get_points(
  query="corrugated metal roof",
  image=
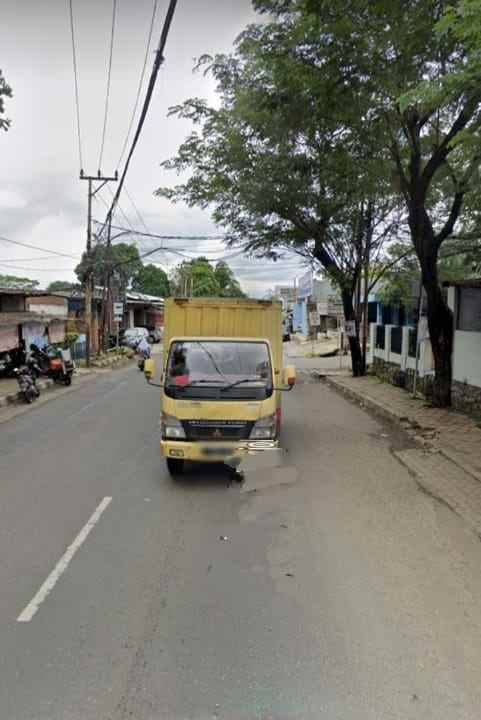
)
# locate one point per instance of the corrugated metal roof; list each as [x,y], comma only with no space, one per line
[143,297]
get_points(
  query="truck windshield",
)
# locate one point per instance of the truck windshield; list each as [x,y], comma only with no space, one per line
[203,369]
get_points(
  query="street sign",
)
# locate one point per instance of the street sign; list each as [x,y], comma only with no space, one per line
[118,311]
[314,318]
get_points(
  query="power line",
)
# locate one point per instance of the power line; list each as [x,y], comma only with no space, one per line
[159,58]
[107,96]
[36,247]
[27,269]
[136,209]
[21,259]
[77,104]
[141,82]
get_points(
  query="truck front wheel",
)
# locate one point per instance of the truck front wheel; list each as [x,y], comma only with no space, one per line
[175,466]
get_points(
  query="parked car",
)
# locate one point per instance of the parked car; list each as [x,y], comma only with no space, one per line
[133,336]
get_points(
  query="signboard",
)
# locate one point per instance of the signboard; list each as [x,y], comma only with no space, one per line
[118,311]
[304,289]
[350,328]
[314,318]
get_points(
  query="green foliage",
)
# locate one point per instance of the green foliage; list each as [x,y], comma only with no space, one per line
[397,281]
[62,286]
[23,283]
[71,338]
[121,260]
[5,92]
[151,280]
[228,285]
[280,165]
[199,278]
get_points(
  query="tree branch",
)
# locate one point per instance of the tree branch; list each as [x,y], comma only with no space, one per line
[443,150]
[448,228]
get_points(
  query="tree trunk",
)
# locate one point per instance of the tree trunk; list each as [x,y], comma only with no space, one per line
[440,323]
[358,368]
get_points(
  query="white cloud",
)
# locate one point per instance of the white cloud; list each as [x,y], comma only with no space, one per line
[11,200]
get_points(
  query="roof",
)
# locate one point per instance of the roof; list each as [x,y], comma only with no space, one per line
[18,318]
[136,297]
[20,291]
[473,283]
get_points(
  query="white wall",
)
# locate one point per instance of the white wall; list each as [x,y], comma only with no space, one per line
[60,311]
[467,357]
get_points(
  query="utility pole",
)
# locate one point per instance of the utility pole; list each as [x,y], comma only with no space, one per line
[89,275]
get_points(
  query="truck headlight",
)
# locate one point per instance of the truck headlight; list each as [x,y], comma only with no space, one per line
[265,428]
[171,427]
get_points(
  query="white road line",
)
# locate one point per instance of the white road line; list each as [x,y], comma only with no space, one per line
[27,614]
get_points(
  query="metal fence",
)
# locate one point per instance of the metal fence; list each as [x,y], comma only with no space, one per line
[396,339]
[79,350]
[380,337]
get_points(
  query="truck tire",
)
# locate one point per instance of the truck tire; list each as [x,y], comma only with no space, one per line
[175,466]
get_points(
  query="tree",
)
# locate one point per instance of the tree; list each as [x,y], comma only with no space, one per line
[281,166]
[151,280]
[121,261]
[418,64]
[199,278]
[61,286]
[5,92]
[22,283]
[196,278]
[228,285]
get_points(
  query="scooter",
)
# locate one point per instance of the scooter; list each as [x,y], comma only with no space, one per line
[26,382]
[54,363]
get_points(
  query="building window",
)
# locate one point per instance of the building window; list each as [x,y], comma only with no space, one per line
[469,309]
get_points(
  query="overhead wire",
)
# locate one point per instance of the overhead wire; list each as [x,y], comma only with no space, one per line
[36,247]
[136,209]
[109,73]
[159,58]
[141,82]
[75,73]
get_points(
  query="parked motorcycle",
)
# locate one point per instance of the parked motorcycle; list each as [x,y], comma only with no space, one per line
[27,384]
[54,363]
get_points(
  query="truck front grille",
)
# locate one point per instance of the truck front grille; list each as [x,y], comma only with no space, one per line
[217,430]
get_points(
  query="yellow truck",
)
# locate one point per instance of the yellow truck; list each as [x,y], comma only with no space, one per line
[222,378]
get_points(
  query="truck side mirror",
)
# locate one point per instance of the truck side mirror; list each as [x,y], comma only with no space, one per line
[290,376]
[149,369]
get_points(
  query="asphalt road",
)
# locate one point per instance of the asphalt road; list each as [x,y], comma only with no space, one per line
[347,594]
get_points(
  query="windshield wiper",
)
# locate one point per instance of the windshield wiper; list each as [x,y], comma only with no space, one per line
[239,382]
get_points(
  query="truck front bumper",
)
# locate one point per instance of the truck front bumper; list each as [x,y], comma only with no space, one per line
[213,452]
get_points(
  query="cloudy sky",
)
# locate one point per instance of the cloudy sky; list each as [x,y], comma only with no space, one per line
[42,201]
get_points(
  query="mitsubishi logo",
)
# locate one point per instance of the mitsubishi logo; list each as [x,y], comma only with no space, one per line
[217,433]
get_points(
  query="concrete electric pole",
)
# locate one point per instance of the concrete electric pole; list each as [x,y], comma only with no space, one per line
[89,274]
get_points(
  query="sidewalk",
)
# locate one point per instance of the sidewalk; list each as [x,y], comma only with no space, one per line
[447,456]
[10,395]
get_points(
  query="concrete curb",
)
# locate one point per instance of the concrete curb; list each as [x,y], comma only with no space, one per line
[399,419]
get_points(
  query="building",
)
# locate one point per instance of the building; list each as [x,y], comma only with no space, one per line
[464,299]
[141,310]
[318,307]
[31,316]
[287,294]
